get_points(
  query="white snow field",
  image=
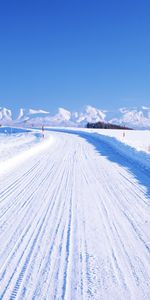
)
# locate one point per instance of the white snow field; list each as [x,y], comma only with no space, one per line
[139,139]
[16,140]
[74,220]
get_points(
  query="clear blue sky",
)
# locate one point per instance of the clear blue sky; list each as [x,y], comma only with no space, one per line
[74,52]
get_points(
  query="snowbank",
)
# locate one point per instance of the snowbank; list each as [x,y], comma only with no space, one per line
[133,146]
[131,154]
[13,142]
[138,139]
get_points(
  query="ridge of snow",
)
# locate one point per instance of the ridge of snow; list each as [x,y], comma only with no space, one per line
[5,114]
[37,111]
[21,113]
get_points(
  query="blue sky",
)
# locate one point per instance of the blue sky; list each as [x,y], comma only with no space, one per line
[71,53]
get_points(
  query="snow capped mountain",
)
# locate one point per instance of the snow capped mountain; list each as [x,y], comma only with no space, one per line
[5,114]
[21,113]
[62,115]
[25,115]
[91,114]
[134,117]
[131,117]
[39,111]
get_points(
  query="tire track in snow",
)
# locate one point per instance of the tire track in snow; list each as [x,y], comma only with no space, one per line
[48,261]
[53,237]
[76,234]
[22,273]
[25,215]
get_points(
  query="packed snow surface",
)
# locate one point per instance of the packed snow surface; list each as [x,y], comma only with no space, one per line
[74,219]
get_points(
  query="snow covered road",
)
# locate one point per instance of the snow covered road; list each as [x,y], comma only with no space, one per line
[74,224]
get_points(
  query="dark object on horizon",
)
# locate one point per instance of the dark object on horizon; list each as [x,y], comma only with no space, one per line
[104,125]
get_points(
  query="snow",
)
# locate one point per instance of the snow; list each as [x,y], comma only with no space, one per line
[17,144]
[22,153]
[62,115]
[138,139]
[21,113]
[5,114]
[74,216]
[91,114]
[14,141]
[130,148]
[37,111]
[145,107]
[136,117]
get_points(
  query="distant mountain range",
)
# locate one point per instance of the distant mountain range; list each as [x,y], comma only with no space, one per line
[138,118]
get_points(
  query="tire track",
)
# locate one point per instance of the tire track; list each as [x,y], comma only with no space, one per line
[73,226]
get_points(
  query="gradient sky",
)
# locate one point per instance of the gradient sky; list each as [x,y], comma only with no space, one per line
[71,53]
